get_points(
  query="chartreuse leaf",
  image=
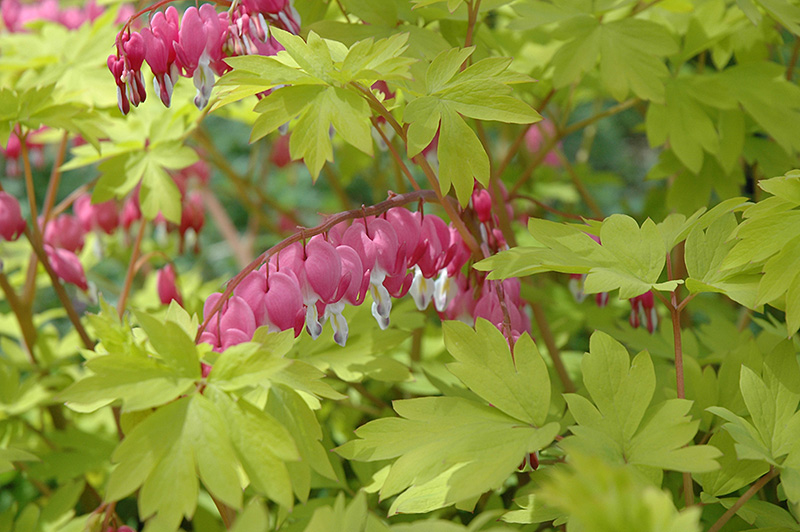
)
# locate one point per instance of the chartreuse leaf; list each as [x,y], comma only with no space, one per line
[262,446]
[520,387]
[734,473]
[786,187]
[254,518]
[768,98]
[291,411]
[630,53]
[684,121]
[341,518]
[138,380]
[767,240]
[772,433]
[141,149]
[452,449]
[621,424]
[481,92]
[640,258]
[317,76]
[11,454]
[630,258]
[172,343]
[601,497]
[705,253]
[251,363]
[129,373]
[164,455]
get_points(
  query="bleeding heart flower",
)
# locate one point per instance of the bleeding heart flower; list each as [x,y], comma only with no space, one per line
[67,266]
[12,224]
[65,232]
[375,242]
[103,216]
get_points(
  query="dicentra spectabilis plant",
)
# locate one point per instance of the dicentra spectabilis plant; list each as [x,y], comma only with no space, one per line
[400,266]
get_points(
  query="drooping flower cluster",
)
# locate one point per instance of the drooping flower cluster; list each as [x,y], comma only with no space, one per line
[195,46]
[397,253]
[64,235]
[16,14]
[12,152]
[535,140]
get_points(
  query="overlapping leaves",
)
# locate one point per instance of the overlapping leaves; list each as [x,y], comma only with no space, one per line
[319,75]
[771,434]
[183,429]
[481,92]
[631,257]
[620,423]
[768,240]
[451,449]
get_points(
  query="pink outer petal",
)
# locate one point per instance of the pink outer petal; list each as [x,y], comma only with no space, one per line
[283,301]
[192,41]
[358,281]
[323,268]
[67,266]
[238,316]
[253,289]
[167,286]
[65,232]
[12,224]
[482,204]
[408,228]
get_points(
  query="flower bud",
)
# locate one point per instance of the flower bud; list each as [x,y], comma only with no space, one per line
[65,232]
[482,203]
[12,224]
[67,266]
[167,287]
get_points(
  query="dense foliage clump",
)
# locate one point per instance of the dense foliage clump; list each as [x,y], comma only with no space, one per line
[400,266]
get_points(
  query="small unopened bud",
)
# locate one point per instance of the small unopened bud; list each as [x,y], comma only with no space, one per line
[167,286]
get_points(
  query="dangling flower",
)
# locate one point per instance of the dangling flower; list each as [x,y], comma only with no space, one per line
[352,289]
[65,232]
[200,44]
[318,270]
[67,266]
[643,311]
[167,285]
[159,41]
[375,241]
[103,216]
[12,224]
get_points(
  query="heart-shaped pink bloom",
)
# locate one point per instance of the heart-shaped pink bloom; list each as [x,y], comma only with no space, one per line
[67,266]
[237,323]
[65,232]
[12,224]
[102,216]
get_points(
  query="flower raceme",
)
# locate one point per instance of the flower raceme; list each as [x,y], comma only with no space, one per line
[385,256]
[194,46]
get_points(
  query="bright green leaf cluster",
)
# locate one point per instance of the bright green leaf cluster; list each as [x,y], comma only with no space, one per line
[620,423]
[452,449]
